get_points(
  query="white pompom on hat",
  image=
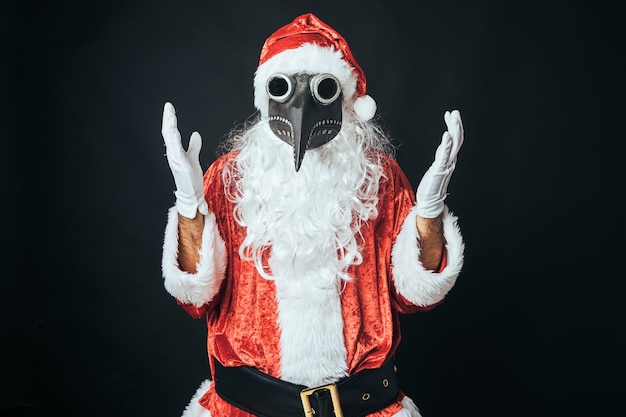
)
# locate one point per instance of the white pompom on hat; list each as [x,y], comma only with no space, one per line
[311,46]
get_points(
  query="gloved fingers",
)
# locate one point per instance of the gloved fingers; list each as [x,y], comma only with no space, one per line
[442,154]
[455,128]
[169,130]
[195,144]
[170,123]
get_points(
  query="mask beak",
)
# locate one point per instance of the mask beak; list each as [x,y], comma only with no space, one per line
[289,128]
[299,141]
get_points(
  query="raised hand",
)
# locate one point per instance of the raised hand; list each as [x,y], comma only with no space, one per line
[185,166]
[433,188]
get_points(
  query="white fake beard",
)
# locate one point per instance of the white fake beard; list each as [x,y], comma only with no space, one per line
[309,220]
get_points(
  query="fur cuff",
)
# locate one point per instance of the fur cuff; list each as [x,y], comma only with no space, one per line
[199,288]
[409,409]
[418,285]
[194,409]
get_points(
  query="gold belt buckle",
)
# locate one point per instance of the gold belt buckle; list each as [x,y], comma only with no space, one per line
[334,395]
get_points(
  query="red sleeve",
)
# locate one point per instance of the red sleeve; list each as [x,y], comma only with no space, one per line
[193,311]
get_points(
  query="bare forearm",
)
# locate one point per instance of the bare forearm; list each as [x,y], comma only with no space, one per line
[431,241]
[189,241]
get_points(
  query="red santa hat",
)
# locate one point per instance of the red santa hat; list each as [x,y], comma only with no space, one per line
[309,45]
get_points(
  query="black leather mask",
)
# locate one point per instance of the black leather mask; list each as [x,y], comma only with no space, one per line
[304,110]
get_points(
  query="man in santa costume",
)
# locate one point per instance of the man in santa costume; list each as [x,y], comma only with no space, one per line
[302,244]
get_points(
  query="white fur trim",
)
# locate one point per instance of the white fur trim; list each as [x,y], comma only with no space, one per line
[194,409]
[365,108]
[309,58]
[418,285]
[199,288]
[313,350]
[409,409]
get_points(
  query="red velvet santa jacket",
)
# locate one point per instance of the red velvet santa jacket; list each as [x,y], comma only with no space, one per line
[355,329]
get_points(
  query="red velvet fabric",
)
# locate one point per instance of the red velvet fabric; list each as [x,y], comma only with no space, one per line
[242,319]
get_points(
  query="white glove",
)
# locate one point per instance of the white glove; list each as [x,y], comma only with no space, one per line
[185,166]
[433,188]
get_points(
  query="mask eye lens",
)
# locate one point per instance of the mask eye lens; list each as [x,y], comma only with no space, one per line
[325,88]
[279,87]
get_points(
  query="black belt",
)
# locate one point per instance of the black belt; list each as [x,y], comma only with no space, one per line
[265,396]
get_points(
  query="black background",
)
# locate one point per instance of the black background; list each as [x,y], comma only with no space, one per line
[535,324]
